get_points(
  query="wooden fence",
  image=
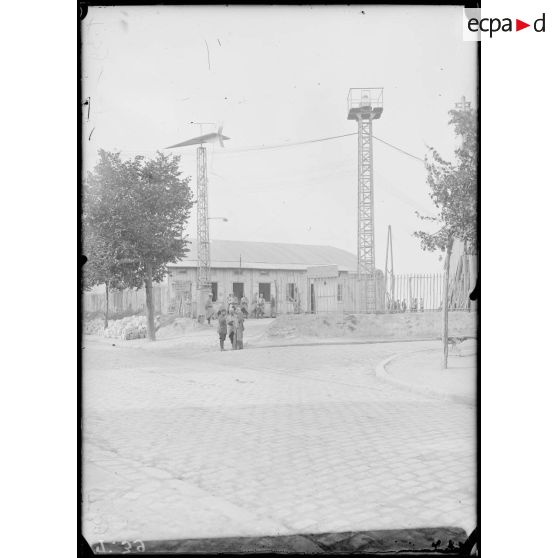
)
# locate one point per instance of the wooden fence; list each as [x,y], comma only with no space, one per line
[128,300]
[424,293]
[463,278]
[414,293]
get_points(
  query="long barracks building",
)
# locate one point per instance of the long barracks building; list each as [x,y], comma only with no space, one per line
[300,278]
[296,277]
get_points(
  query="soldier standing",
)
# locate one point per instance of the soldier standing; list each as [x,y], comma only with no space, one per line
[222,317]
[260,306]
[209,308]
[244,306]
[239,329]
[230,323]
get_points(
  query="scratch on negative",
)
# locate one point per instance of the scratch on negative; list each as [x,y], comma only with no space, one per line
[207,47]
[91,133]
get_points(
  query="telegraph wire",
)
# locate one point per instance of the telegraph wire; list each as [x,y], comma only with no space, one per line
[292,144]
[399,149]
[316,140]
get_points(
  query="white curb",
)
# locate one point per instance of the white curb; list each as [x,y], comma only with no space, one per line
[381,372]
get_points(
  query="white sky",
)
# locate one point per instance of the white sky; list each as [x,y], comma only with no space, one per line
[282,74]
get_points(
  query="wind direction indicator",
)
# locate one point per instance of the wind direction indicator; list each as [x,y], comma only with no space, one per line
[214,137]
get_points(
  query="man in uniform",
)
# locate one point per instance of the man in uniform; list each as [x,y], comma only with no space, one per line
[244,306]
[222,317]
[260,306]
[231,318]
[239,329]
[209,308]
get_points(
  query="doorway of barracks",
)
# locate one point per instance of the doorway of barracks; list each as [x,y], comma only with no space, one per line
[238,290]
[265,290]
[323,295]
[323,289]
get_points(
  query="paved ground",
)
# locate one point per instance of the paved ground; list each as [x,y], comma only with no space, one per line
[422,370]
[181,440]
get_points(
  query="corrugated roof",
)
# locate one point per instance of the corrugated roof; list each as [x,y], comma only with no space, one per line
[269,255]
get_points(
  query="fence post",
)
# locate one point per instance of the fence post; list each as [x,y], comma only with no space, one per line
[106,304]
[445,304]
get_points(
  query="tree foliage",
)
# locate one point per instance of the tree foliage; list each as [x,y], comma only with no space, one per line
[134,216]
[454,188]
[101,267]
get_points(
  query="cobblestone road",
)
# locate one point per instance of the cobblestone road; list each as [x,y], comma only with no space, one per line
[185,443]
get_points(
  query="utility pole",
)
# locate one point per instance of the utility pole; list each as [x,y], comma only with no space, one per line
[389,255]
[445,304]
[464,106]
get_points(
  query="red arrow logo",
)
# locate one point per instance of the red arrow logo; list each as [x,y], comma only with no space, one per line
[519,25]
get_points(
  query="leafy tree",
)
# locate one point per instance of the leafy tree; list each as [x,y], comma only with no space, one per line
[139,208]
[454,188]
[103,266]
[100,267]
[454,193]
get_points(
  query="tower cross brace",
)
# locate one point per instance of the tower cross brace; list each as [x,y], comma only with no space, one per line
[388,273]
[366,259]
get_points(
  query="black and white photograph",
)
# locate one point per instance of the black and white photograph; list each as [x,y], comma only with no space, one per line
[279,279]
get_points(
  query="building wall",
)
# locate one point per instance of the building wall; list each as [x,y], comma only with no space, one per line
[323,289]
[334,291]
[279,281]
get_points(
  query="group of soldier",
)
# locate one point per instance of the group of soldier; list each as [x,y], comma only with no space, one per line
[231,322]
[231,319]
[417,305]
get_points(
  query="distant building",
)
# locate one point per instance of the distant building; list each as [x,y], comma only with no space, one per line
[299,278]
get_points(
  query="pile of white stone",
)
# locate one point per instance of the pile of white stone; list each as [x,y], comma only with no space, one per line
[132,327]
[94,327]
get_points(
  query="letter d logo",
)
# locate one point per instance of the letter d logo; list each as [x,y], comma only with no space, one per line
[538,26]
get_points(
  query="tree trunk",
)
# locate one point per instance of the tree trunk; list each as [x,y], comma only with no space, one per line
[149,301]
[445,304]
[106,303]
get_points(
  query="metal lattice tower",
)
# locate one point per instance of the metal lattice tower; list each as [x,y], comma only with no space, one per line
[204,265]
[365,105]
